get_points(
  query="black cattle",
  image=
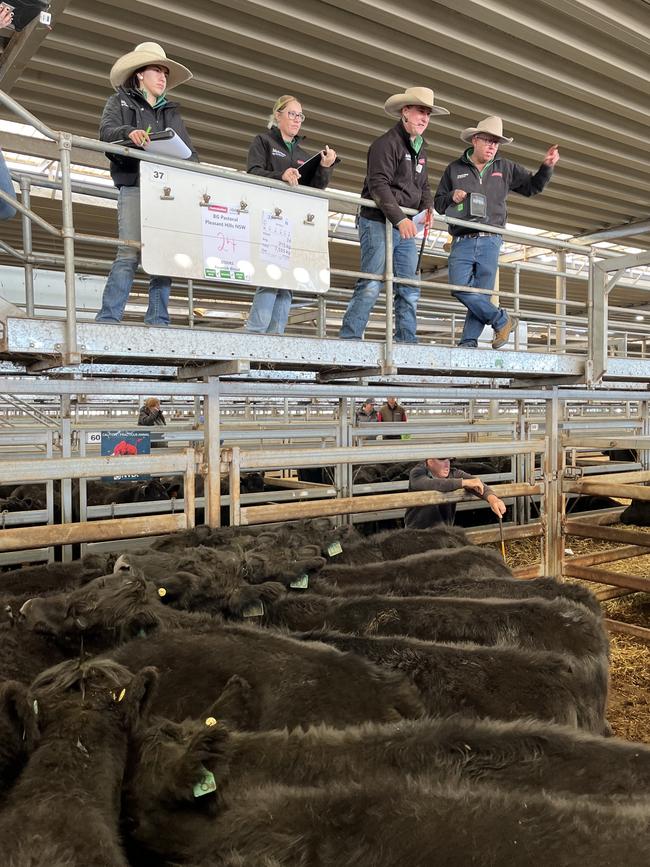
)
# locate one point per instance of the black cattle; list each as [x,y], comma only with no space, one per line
[387,822]
[64,808]
[499,682]
[470,562]
[538,624]
[105,493]
[53,576]
[17,732]
[458,587]
[24,654]
[590,504]
[394,544]
[637,513]
[296,682]
[16,504]
[523,756]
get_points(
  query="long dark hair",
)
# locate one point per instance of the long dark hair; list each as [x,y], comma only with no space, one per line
[132,82]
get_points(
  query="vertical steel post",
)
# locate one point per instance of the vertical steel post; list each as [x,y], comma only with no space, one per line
[560,295]
[70,351]
[234,478]
[553,505]
[389,287]
[190,303]
[189,489]
[516,305]
[212,452]
[27,246]
[597,322]
[66,484]
[322,316]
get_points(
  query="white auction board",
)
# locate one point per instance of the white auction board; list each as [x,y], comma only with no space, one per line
[204,228]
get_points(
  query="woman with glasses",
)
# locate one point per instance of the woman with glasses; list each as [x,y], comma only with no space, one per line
[278,154]
[142,79]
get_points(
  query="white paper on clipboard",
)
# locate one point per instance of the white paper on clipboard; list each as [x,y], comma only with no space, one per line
[170,147]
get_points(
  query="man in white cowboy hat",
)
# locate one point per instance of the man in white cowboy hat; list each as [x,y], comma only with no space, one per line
[474,188]
[396,178]
[142,79]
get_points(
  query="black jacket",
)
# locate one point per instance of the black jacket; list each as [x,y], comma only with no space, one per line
[151,416]
[269,157]
[396,177]
[496,180]
[420,479]
[127,110]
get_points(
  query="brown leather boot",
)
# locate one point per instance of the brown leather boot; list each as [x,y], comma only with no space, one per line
[502,334]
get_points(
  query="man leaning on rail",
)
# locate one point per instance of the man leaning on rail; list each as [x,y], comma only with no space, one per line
[396,178]
[435,474]
[474,188]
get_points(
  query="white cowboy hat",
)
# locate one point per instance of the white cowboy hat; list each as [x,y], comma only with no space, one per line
[148,54]
[489,126]
[412,96]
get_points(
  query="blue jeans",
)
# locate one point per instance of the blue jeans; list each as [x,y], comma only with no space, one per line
[269,311]
[120,279]
[474,262]
[6,211]
[372,238]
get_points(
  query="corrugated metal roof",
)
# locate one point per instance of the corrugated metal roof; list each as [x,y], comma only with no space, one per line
[572,73]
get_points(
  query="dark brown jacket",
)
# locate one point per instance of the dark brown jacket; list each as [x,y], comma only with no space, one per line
[269,157]
[397,413]
[396,177]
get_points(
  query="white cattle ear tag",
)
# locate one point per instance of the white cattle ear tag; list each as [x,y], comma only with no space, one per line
[301,583]
[35,707]
[256,609]
[206,783]
[334,548]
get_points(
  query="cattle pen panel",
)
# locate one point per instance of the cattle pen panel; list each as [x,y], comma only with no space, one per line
[17,539]
[635,543]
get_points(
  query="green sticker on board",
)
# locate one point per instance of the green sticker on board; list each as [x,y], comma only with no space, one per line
[206,783]
[334,548]
[301,583]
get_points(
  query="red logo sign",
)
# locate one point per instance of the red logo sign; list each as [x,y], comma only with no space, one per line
[221,209]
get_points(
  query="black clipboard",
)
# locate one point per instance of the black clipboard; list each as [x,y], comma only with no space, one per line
[309,167]
[153,136]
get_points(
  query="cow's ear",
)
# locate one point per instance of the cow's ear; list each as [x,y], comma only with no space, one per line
[173,586]
[20,711]
[140,694]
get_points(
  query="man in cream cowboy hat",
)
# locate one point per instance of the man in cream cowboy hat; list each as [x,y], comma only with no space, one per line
[396,178]
[474,188]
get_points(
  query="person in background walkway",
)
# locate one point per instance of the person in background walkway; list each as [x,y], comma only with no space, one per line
[142,79]
[278,154]
[366,413]
[392,411]
[396,178]
[151,413]
[435,475]
[6,210]
[474,188]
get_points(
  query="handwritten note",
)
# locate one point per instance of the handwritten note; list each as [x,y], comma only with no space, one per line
[276,239]
[226,243]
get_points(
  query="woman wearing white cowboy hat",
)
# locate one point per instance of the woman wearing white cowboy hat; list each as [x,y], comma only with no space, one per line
[396,178]
[474,188]
[142,79]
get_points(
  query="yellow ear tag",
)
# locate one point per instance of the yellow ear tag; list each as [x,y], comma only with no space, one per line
[121,695]
[210,721]
[162,592]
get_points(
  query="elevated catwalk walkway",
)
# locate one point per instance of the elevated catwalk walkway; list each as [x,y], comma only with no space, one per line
[197,353]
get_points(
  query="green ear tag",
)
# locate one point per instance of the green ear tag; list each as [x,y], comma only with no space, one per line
[301,583]
[256,609]
[206,783]
[334,548]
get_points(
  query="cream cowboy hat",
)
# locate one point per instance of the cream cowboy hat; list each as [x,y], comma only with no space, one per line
[412,96]
[489,126]
[148,54]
